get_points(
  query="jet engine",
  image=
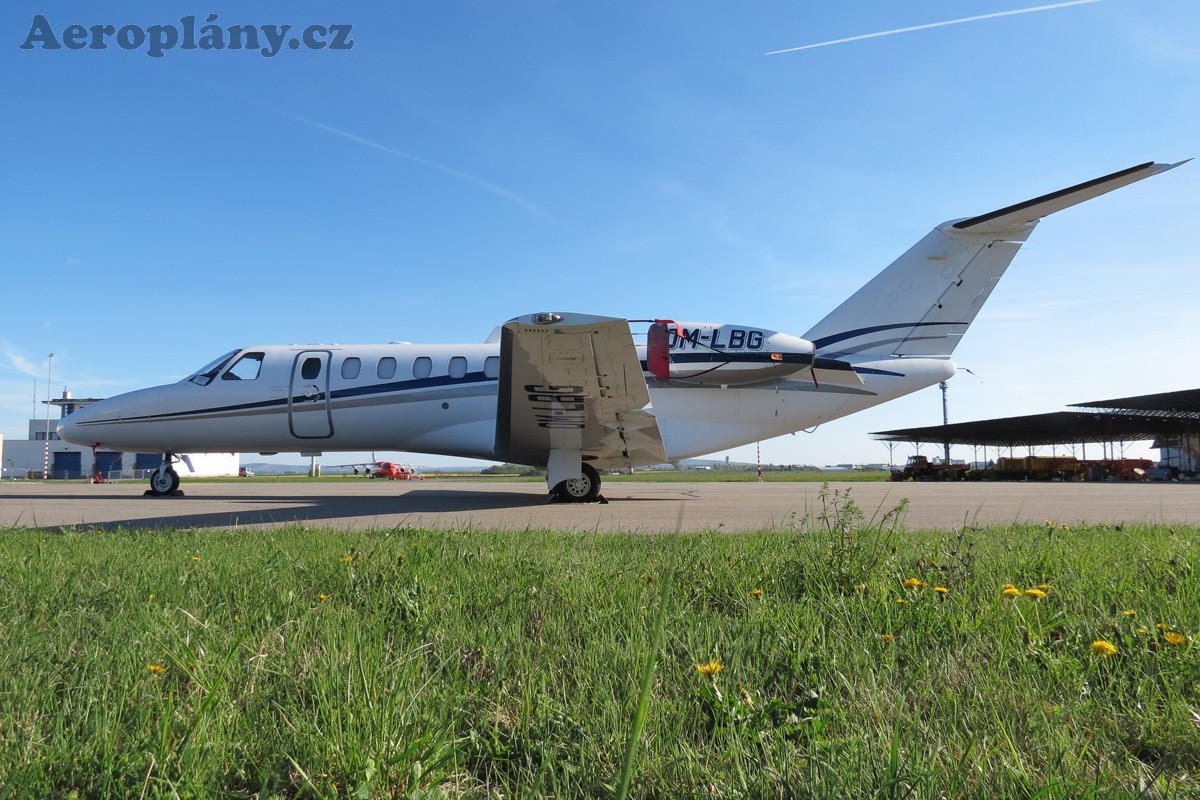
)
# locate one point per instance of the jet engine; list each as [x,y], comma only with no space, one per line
[715,354]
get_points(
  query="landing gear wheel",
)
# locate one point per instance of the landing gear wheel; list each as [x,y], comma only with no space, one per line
[584,489]
[164,482]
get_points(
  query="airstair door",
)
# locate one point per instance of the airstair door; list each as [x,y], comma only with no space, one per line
[309,414]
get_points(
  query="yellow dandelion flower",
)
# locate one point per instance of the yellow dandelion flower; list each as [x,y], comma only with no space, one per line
[710,669]
[1170,637]
[322,596]
[157,669]
[1129,612]
[1103,649]
[195,558]
[858,587]
[151,597]
[913,583]
[887,637]
[1141,631]
[901,600]
[756,593]
[1011,591]
[1049,524]
[1008,586]
[1162,626]
[1036,594]
[348,559]
[1066,527]
[941,590]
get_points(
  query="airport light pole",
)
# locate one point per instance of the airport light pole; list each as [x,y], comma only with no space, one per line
[945,422]
[46,455]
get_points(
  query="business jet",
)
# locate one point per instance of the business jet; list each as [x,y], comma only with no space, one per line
[574,393]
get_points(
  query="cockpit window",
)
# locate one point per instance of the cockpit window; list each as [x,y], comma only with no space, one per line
[245,368]
[205,374]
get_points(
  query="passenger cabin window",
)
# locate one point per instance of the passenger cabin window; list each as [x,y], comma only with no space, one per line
[386,368]
[311,369]
[350,368]
[245,368]
[204,376]
[458,367]
[491,367]
[422,367]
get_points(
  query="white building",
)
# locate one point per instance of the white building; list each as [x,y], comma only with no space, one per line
[44,451]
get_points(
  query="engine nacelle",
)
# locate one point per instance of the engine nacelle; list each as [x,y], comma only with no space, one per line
[713,354]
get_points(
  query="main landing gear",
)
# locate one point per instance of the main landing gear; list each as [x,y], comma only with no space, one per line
[164,481]
[584,489]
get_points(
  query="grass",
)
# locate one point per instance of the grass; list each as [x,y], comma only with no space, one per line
[407,663]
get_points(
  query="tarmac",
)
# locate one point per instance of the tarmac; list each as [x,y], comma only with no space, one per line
[358,504]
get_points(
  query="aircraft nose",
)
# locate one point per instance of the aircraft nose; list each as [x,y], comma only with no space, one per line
[70,428]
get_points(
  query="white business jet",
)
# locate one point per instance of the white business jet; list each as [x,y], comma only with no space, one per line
[572,392]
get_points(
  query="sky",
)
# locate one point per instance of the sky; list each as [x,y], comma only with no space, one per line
[465,163]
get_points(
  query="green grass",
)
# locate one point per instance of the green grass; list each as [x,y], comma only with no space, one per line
[397,663]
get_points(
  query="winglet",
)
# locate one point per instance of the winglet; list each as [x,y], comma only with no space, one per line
[1033,210]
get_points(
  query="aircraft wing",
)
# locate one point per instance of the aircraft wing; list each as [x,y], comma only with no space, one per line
[574,383]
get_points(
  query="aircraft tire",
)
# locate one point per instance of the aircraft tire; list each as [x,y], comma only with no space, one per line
[584,489]
[164,482]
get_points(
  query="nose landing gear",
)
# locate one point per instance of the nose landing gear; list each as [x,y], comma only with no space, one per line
[165,480]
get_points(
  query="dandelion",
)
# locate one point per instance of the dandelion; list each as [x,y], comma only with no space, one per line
[157,669]
[1129,612]
[1170,637]
[710,669]
[322,596]
[913,583]
[195,558]
[756,593]
[348,560]
[858,587]
[1036,594]
[1066,527]
[1049,524]
[1103,649]
[150,598]
[901,600]
[1162,626]
[941,590]
[1141,631]
[1011,591]
[887,637]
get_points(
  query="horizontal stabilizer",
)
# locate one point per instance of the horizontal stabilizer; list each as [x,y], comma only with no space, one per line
[826,371]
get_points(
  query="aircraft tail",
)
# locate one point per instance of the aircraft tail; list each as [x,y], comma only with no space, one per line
[922,304]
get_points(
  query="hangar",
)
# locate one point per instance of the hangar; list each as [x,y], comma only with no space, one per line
[1171,420]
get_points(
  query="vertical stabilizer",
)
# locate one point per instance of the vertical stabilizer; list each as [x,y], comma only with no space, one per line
[922,304]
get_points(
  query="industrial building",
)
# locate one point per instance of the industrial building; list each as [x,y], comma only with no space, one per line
[1170,420]
[44,453]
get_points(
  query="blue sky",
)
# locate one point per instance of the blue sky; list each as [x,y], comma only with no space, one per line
[466,163]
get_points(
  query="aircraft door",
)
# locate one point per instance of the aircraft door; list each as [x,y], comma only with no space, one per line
[309,414]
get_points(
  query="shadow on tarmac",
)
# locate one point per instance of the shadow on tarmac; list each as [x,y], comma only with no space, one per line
[313,509]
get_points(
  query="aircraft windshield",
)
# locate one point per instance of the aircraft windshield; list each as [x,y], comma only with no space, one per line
[205,374]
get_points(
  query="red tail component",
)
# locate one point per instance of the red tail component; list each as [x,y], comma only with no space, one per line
[658,349]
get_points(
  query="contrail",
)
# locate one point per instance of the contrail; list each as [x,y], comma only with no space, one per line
[465,176]
[935,25]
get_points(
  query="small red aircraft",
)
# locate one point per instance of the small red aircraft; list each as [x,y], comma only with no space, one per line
[395,472]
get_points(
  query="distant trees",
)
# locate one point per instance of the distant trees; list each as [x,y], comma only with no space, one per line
[519,470]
